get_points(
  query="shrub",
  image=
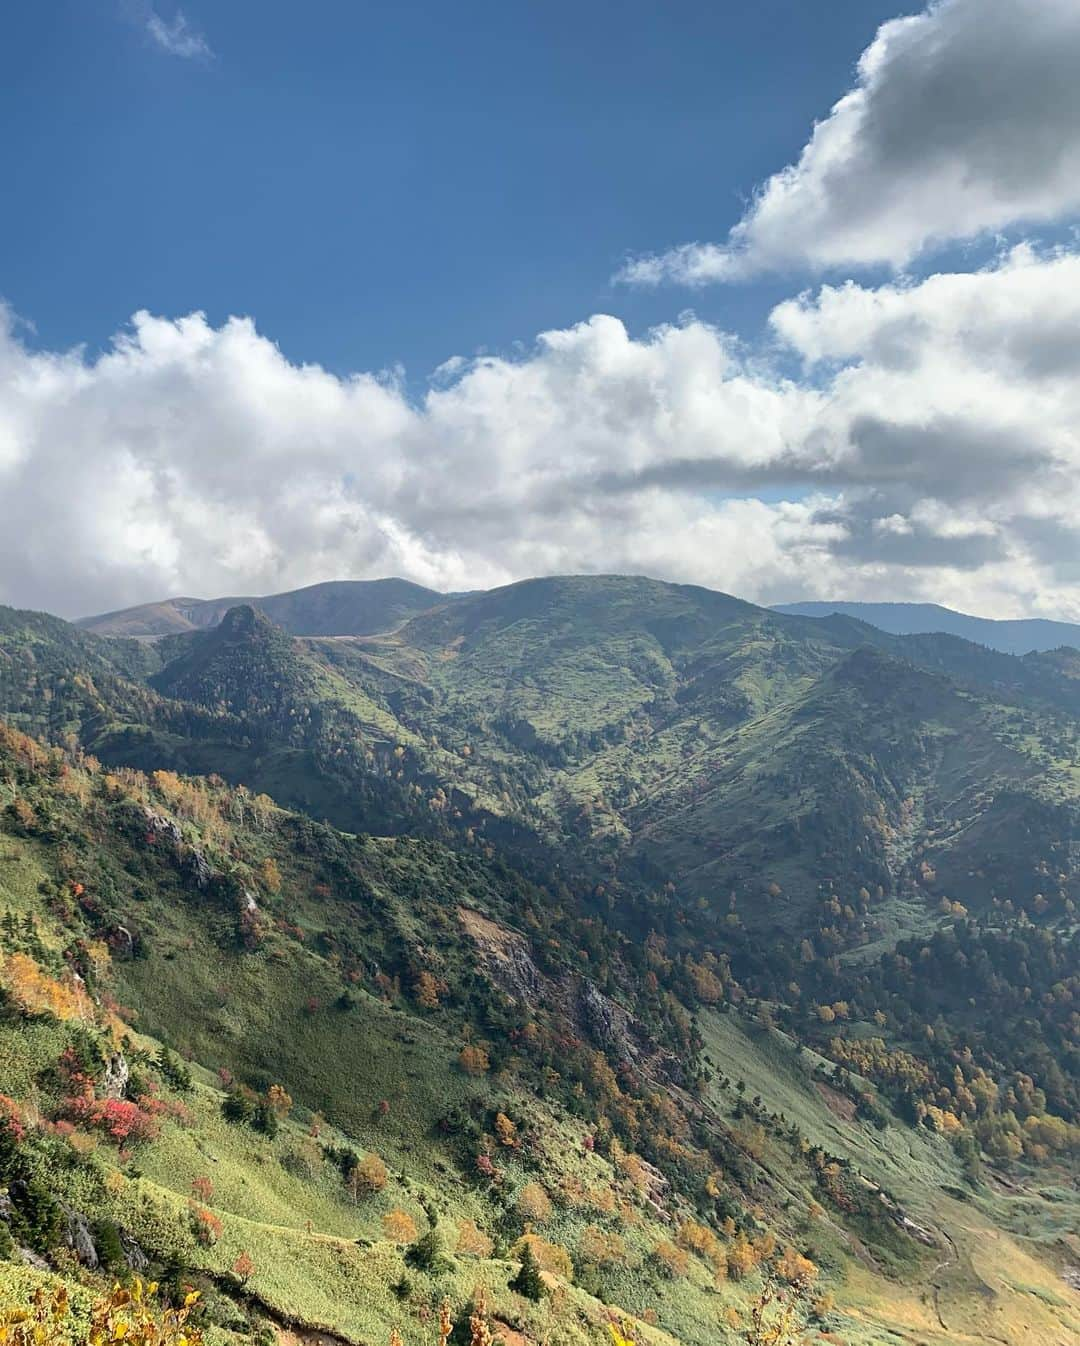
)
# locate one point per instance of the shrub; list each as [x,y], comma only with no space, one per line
[533,1204]
[205,1225]
[398,1226]
[127,1314]
[117,1118]
[473,1242]
[670,1260]
[367,1177]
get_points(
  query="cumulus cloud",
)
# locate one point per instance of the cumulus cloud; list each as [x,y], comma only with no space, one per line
[929,448]
[964,119]
[177,36]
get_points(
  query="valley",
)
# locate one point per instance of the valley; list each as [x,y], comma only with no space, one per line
[709,961]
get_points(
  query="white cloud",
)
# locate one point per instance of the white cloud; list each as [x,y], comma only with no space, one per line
[177,36]
[931,449]
[964,119]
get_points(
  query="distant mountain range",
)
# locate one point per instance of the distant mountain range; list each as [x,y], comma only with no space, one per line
[334,608]
[1020,636]
[372,607]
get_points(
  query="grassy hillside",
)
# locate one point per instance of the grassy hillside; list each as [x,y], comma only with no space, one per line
[717,953]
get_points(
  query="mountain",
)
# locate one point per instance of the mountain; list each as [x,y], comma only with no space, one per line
[712,953]
[335,608]
[1011,636]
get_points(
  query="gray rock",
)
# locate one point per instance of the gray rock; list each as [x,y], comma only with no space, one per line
[114,1080]
[31,1259]
[607,1023]
[134,1256]
[79,1237]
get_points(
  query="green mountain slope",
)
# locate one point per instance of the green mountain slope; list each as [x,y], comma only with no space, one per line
[158,914]
[586,854]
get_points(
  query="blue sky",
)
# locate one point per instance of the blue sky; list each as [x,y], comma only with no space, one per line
[395,183]
[782,298]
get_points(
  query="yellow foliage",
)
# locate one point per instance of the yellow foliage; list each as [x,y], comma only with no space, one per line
[472,1241]
[398,1226]
[601,1247]
[35,992]
[533,1204]
[126,1315]
[474,1060]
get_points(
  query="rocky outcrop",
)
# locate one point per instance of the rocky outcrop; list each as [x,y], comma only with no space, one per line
[79,1237]
[506,956]
[115,1077]
[607,1024]
[134,1256]
[191,859]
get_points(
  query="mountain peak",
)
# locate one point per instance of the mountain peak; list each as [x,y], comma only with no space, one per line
[244,622]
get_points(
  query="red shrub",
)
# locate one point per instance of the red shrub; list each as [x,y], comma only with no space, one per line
[9,1117]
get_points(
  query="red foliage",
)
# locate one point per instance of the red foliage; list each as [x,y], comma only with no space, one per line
[117,1118]
[203,1187]
[205,1225]
[9,1117]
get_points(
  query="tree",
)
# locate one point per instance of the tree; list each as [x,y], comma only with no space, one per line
[367,1177]
[270,876]
[243,1268]
[670,1260]
[506,1130]
[279,1101]
[426,1252]
[529,1280]
[427,991]
[795,1269]
[474,1060]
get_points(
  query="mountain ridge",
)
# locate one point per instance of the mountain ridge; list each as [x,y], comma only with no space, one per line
[1009,635]
[332,607]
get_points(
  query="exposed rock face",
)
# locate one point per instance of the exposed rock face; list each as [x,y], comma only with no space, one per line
[191,859]
[506,956]
[198,867]
[31,1259]
[114,1080]
[164,828]
[79,1237]
[134,1256]
[607,1023]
